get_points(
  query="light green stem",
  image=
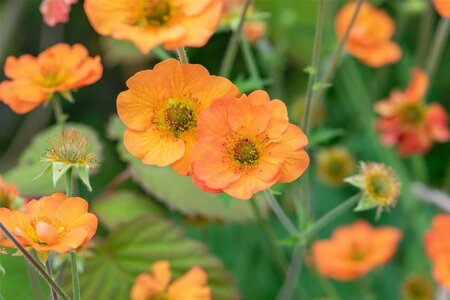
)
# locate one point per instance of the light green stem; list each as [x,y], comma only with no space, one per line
[250,61]
[437,46]
[75,279]
[282,217]
[329,217]
[57,109]
[73,253]
[230,54]
[317,49]
[182,55]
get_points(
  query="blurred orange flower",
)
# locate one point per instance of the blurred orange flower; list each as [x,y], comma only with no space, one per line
[59,69]
[370,36]
[355,250]
[443,7]
[254,30]
[160,111]
[52,223]
[437,244]
[56,11]
[407,122]
[157,284]
[247,144]
[148,24]
[8,193]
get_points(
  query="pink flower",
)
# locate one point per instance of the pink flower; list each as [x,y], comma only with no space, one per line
[56,11]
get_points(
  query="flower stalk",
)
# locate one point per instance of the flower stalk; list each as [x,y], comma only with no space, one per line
[182,55]
[53,285]
[437,46]
[232,48]
[282,217]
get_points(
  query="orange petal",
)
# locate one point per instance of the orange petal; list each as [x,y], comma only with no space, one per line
[376,55]
[443,7]
[248,118]
[161,273]
[24,67]
[153,146]
[104,15]
[247,186]
[418,85]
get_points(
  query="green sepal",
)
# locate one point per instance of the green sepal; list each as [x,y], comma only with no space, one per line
[59,169]
[355,180]
[310,70]
[68,96]
[83,173]
[321,86]
[365,203]
[43,172]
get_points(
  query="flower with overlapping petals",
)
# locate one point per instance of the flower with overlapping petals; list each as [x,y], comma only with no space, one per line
[52,223]
[355,250]
[149,23]
[160,110]
[407,122]
[59,69]
[246,144]
[370,38]
[158,285]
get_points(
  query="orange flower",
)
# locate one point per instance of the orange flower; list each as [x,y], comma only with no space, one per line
[443,7]
[59,69]
[160,110]
[254,30]
[437,239]
[8,194]
[54,223]
[245,145]
[157,285]
[407,122]
[370,36]
[149,23]
[355,250]
[441,270]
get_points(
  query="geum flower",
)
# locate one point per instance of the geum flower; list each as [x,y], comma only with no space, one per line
[407,122]
[355,250]
[371,34]
[437,245]
[8,194]
[59,69]
[157,284]
[52,223]
[246,144]
[56,11]
[160,110]
[149,23]
[379,185]
[442,7]
[334,164]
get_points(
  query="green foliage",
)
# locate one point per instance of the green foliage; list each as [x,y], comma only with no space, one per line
[124,206]
[130,249]
[30,166]
[178,192]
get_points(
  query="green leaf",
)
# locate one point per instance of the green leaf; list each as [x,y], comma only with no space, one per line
[110,210]
[321,85]
[29,165]
[323,135]
[133,247]
[310,70]
[179,193]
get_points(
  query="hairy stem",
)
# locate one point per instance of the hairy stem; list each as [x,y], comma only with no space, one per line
[282,217]
[182,55]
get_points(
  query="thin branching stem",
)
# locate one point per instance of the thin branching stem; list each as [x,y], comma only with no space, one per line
[437,46]
[282,217]
[233,44]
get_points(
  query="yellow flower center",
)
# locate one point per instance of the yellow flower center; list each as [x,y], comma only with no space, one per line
[412,114]
[179,117]
[50,75]
[244,152]
[380,188]
[417,288]
[336,167]
[44,231]
[155,13]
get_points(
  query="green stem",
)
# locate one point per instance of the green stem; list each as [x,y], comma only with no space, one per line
[328,77]
[419,168]
[161,53]
[329,217]
[282,217]
[69,183]
[291,280]
[232,48]
[425,29]
[48,266]
[182,55]
[437,46]
[249,60]
[75,279]
[275,251]
[57,109]
[34,263]
[317,49]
